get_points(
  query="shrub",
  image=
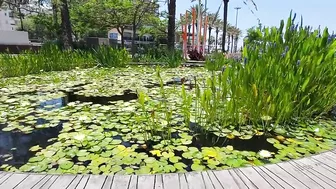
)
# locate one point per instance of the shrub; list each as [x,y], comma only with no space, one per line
[110,57]
[288,75]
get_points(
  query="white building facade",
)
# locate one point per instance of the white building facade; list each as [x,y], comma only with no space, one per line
[7,20]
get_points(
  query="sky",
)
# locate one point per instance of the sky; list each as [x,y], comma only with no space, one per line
[270,12]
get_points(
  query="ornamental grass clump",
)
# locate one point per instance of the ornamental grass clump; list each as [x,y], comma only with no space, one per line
[288,74]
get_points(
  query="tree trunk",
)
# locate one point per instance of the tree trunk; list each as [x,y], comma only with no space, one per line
[133,38]
[231,43]
[228,43]
[210,28]
[226,5]
[121,32]
[66,26]
[189,28]
[236,44]
[21,20]
[171,24]
[216,41]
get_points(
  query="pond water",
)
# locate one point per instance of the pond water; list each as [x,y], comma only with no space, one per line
[91,122]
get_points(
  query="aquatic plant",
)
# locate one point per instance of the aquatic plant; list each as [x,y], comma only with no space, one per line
[110,57]
[218,62]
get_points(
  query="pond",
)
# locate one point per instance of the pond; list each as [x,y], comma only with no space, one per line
[91,121]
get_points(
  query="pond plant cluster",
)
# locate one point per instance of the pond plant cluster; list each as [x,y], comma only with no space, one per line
[275,106]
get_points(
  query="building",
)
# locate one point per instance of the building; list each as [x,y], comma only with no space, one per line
[128,33]
[7,20]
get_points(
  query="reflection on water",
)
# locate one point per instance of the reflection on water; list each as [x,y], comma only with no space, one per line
[14,146]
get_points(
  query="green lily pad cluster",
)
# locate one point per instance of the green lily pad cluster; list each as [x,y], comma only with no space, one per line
[125,138]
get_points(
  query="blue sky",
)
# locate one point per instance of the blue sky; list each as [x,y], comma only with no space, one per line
[270,12]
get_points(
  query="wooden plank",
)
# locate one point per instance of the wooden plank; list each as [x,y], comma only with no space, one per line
[13,180]
[240,179]
[182,180]
[297,173]
[121,181]
[95,182]
[82,183]
[5,177]
[290,179]
[317,168]
[195,180]
[133,184]
[62,182]
[30,181]
[42,182]
[329,155]
[171,181]
[108,182]
[272,178]
[326,160]
[255,178]
[146,181]
[207,181]
[158,182]
[49,182]
[225,178]
[75,182]
[312,176]
[214,180]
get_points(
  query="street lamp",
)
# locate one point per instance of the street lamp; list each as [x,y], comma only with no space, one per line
[237,9]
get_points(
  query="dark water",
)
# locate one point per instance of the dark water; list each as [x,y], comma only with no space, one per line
[188,82]
[16,145]
[72,97]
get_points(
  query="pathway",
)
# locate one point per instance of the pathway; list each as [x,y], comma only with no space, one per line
[314,172]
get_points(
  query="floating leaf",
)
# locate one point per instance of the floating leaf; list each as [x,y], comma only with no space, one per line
[197,167]
[66,165]
[35,148]
[272,140]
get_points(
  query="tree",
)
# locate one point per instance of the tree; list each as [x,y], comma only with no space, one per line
[171,24]
[213,18]
[66,26]
[142,9]
[238,33]
[104,15]
[226,5]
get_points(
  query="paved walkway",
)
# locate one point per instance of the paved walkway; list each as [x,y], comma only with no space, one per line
[314,172]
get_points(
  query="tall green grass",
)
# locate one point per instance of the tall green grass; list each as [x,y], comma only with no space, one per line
[51,58]
[288,75]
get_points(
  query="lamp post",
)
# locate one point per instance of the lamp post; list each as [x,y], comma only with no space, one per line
[237,9]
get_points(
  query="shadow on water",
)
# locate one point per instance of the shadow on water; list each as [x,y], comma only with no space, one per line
[72,97]
[208,139]
[175,81]
[14,146]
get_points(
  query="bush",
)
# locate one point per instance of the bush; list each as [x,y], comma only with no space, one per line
[49,58]
[110,57]
[288,75]
[217,62]
[173,59]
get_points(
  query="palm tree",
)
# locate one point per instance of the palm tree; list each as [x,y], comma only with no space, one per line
[212,20]
[229,32]
[238,33]
[218,25]
[226,5]
[171,24]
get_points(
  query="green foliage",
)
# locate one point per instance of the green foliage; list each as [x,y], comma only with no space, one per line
[217,61]
[49,58]
[111,57]
[288,74]
[173,59]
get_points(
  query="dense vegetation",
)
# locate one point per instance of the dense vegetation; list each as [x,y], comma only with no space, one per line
[274,105]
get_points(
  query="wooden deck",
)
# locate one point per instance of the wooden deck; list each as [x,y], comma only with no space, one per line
[318,171]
